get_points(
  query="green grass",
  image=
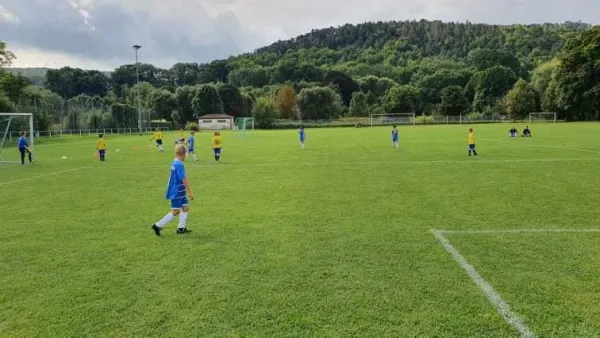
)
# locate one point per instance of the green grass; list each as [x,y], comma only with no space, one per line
[331,241]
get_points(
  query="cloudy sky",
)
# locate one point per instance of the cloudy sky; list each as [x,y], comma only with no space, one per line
[99,33]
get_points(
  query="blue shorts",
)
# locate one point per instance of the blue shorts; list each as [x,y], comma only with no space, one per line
[178,203]
[191,150]
[395,140]
[472,146]
[101,152]
[302,140]
[217,151]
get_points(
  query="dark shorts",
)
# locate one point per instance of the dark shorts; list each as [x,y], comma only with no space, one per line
[159,142]
[472,146]
[179,203]
[217,151]
[101,152]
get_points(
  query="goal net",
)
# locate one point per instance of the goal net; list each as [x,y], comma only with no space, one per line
[542,117]
[10,126]
[243,124]
[392,119]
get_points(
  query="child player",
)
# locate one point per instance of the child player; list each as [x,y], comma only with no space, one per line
[101,147]
[178,191]
[217,143]
[158,136]
[395,137]
[23,147]
[181,139]
[190,143]
[302,134]
[471,142]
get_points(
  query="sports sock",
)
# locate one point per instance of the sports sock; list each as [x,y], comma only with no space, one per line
[195,158]
[182,219]
[168,218]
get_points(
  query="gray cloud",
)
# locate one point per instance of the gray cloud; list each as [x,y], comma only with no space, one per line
[194,30]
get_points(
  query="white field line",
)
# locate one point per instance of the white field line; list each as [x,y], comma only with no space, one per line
[501,306]
[191,165]
[515,231]
[546,146]
[40,176]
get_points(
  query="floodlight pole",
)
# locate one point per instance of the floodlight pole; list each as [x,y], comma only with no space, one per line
[137,76]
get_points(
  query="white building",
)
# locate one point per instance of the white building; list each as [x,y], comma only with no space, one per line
[215,122]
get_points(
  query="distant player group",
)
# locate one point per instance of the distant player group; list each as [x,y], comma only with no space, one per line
[179,191]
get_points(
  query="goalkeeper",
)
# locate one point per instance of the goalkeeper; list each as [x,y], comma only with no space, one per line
[23,147]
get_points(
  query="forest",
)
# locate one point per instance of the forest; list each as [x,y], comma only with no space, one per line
[422,67]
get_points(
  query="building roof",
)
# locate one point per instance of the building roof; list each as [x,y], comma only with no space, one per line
[215,116]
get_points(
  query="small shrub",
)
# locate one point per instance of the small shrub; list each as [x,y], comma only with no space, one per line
[193,126]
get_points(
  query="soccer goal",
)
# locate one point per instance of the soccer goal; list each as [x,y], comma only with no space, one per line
[6,121]
[392,119]
[242,124]
[542,117]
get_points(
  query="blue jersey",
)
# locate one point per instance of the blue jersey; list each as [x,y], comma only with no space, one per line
[302,135]
[191,140]
[22,142]
[395,134]
[175,188]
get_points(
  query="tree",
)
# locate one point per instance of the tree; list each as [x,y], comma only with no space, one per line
[521,100]
[207,101]
[233,102]
[184,97]
[403,99]
[375,85]
[125,116]
[344,83]
[255,76]
[6,56]
[6,106]
[453,101]
[577,77]
[265,112]
[164,103]
[145,92]
[286,102]
[69,82]
[359,105]
[484,58]
[13,85]
[319,103]
[491,85]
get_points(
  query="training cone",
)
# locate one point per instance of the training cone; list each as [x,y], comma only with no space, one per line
[95,154]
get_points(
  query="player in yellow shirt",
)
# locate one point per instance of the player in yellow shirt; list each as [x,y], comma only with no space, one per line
[158,136]
[217,143]
[471,142]
[101,147]
[181,139]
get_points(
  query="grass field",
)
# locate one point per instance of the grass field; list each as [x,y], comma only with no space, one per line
[335,240]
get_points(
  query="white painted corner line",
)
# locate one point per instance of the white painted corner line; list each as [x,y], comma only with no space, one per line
[40,176]
[501,306]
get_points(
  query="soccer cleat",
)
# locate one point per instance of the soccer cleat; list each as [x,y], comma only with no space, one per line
[183,231]
[156,229]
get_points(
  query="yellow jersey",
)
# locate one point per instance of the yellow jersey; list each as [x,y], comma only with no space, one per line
[217,142]
[471,138]
[157,135]
[101,144]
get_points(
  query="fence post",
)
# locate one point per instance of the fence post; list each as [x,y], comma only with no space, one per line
[460,121]
[61,135]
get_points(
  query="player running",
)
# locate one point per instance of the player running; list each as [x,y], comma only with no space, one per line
[191,142]
[23,148]
[302,134]
[158,136]
[178,191]
[395,137]
[217,143]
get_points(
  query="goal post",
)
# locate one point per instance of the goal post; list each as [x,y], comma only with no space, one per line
[542,117]
[242,124]
[6,121]
[391,119]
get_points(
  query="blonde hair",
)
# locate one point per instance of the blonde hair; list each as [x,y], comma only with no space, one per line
[180,149]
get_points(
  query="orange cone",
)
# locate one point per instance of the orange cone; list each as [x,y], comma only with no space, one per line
[95,154]
[134,148]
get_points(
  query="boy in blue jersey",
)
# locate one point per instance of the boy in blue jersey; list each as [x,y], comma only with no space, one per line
[302,134]
[395,137]
[178,191]
[191,142]
[23,147]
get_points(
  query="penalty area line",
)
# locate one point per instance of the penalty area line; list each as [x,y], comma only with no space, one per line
[40,176]
[516,231]
[502,307]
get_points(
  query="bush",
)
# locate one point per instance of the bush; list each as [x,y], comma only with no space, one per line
[424,119]
[193,126]
[265,112]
